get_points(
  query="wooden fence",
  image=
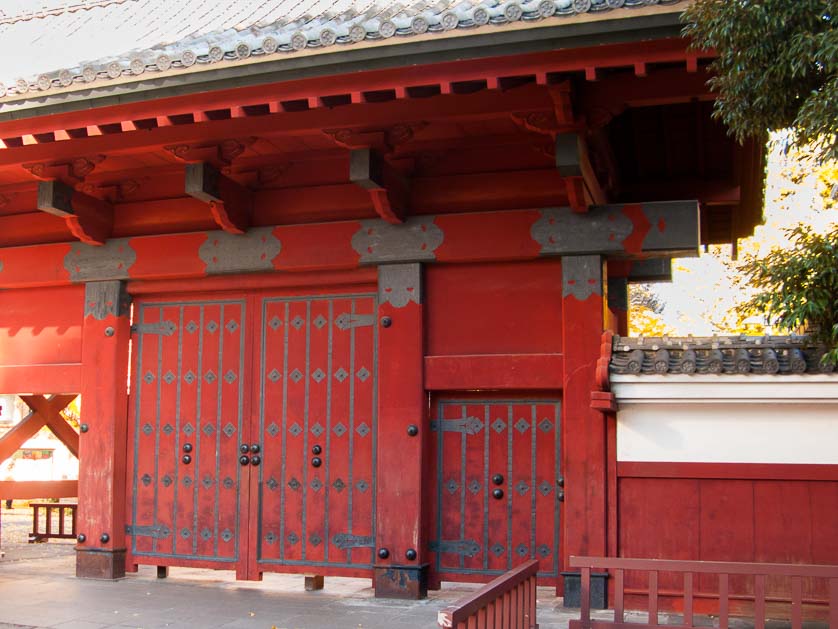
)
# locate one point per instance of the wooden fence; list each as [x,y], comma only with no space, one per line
[724,570]
[508,602]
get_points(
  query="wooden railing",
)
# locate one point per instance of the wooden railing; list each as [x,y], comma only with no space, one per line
[759,571]
[63,509]
[508,602]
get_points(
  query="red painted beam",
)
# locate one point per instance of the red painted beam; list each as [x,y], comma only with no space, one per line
[31,489]
[730,471]
[494,371]
[62,378]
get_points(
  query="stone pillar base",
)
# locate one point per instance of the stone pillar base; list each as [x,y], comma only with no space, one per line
[405,582]
[92,563]
[573,590]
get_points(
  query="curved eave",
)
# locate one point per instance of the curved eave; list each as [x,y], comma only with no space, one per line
[484,42]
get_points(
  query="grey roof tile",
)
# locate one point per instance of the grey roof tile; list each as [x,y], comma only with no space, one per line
[51,44]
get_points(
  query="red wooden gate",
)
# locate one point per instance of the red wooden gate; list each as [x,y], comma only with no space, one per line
[253,433]
[317,420]
[497,487]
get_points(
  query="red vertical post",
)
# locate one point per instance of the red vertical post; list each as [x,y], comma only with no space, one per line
[100,552]
[401,568]
[584,442]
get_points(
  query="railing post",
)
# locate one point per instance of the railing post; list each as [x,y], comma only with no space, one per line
[759,601]
[724,603]
[796,602]
[688,599]
[585,602]
[653,597]
[618,596]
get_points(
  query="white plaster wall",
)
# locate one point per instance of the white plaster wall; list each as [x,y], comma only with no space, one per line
[727,419]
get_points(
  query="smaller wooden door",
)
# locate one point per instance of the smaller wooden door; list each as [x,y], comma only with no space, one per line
[187,418]
[317,373]
[495,497]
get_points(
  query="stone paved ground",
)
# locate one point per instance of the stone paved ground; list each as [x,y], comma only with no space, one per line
[38,589]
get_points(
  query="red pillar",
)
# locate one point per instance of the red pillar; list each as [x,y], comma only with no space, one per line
[401,568]
[583,428]
[100,552]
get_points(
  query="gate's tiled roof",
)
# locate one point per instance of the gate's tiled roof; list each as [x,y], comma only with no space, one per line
[53,44]
[716,355]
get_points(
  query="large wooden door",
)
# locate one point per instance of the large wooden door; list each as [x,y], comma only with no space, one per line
[495,499]
[188,415]
[252,433]
[317,420]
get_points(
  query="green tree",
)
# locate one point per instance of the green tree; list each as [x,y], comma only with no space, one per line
[777,66]
[798,286]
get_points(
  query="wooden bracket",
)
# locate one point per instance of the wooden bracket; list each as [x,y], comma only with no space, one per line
[574,164]
[231,204]
[387,188]
[88,218]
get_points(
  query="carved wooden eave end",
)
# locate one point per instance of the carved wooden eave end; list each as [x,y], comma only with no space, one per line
[230,203]
[388,189]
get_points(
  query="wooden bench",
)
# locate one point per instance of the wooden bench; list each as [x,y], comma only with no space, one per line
[508,602]
[759,572]
[39,535]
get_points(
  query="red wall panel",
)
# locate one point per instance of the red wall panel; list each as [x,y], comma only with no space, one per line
[510,308]
[41,326]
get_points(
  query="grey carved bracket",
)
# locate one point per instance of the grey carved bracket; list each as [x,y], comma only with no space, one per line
[240,253]
[400,284]
[106,299]
[110,261]
[581,276]
[415,240]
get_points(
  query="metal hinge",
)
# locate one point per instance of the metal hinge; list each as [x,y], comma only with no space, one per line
[465,547]
[157,531]
[468,425]
[347,540]
[345,321]
[163,328]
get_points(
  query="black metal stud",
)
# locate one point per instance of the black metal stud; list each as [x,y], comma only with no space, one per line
[383,553]
[497,479]
[187,447]
[560,481]
[244,459]
[255,460]
[255,449]
[560,496]
[316,449]
[81,537]
[84,427]
[497,494]
[104,538]
[410,554]
[413,430]
[386,322]
[244,448]
[187,459]
[316,462]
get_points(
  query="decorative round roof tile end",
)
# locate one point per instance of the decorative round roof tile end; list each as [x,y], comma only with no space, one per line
[357,33]
[615,4]
[65,78]
[163,62]
[3,90]
[387,29]
[44,82]
[137,66]
[419,25]
[513,12]
[216,53]
[270,45]
[480,16]
[327,37]
[22,86]
[546,8]
[188,58]
[242,50]
[89,74]
[114,70]
[581,6]
[449,21]
[299,40]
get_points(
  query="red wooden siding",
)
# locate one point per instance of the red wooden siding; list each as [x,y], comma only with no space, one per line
[727,519]
[41,327]
[494,308]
